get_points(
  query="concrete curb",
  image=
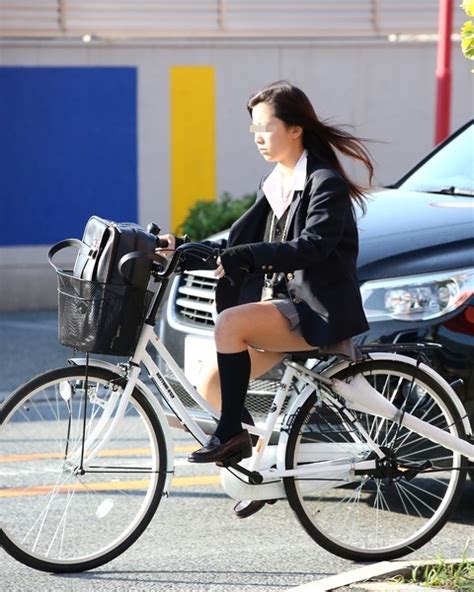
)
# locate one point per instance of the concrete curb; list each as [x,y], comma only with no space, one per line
[370,572]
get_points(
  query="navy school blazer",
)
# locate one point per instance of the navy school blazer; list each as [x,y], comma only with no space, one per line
[318,257]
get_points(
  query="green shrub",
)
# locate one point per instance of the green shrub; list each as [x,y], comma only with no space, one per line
[209,217]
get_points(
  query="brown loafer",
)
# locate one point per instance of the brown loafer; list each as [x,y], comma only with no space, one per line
[231,452]
[246,508]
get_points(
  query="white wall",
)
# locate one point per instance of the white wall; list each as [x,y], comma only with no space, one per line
[386,90]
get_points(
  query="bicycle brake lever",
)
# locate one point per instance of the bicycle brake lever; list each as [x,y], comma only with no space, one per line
[197,261]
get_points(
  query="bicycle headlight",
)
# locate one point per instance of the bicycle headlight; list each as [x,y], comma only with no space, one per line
[417,297]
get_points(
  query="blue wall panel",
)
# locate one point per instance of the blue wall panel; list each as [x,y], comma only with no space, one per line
[68,149]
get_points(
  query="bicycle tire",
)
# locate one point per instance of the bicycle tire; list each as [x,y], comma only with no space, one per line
[108,496]
[346,519]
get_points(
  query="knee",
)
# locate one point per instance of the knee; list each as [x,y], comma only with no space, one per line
[226,324]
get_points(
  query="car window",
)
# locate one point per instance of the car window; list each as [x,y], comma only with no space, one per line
[450,170]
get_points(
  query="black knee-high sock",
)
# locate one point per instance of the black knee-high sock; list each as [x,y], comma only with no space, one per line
[234,376]
[246,417]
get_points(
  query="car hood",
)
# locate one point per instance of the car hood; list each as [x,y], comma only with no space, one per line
[408,233]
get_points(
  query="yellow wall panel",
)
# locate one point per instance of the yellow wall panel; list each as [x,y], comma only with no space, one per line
[193,138]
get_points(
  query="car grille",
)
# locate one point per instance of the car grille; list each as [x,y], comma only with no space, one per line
[195,298]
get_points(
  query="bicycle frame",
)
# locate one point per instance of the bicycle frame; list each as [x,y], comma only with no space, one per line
[268,460]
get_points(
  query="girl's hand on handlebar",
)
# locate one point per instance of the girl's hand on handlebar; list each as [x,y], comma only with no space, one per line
[167,239]
[220,270]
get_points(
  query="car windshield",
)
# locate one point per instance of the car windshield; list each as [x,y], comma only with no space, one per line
[450,170]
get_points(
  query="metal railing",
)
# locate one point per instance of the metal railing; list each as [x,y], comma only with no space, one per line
[138,19]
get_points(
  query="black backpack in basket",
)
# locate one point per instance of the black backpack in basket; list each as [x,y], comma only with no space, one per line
[100,311]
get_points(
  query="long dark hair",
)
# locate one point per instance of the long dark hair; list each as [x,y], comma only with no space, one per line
[292,106]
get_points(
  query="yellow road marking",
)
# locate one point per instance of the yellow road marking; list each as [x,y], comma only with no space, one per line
[195,480]
[104,453]
[101,486]
[186,448]
[106,486]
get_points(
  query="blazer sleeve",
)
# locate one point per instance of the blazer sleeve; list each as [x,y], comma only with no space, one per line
[219,244]
[328,208]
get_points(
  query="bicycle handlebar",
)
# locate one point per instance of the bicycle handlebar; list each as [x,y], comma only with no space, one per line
[166,267]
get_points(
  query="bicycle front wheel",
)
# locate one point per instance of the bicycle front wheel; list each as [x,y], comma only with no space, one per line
[396,508]
[57,513]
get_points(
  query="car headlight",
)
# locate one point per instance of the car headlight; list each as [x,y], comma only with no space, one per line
[417,297]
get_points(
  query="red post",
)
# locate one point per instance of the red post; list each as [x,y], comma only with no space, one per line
[443,70]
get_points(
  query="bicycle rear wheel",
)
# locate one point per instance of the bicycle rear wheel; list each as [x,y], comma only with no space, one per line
[388,512]
[55,517]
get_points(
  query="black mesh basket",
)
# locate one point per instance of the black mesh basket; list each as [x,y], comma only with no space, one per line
[100,318]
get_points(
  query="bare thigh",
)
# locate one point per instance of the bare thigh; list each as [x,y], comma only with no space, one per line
[258,324]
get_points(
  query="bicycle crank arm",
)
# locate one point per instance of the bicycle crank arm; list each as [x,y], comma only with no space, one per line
[254,477]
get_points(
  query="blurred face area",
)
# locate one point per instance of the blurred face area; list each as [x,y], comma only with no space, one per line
[275,141]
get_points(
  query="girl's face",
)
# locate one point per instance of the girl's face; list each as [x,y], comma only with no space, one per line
[275,141]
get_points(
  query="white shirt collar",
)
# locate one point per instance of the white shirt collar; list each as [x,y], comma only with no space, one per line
[299,174]
[272,186]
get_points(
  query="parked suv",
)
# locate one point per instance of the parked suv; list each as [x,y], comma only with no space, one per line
[415,267]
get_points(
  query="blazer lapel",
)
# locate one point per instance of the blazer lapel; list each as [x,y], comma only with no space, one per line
[311,165]
[294,204]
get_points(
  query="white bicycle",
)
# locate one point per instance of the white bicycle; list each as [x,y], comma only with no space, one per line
[371,455]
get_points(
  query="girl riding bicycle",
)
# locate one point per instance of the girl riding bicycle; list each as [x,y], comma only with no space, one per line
[287,273]
[371,456]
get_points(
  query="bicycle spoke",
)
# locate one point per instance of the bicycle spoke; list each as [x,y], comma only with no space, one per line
[400,496]
[391,399]
[43,515]
[61,524]
[409,485]
[411,493]
[423,451]
[30,422]
[409,500]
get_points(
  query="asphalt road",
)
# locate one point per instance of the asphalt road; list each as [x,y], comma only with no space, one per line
[194,543]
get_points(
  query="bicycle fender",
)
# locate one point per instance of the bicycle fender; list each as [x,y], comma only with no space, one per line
[97,364]
[141,386]
[393,357]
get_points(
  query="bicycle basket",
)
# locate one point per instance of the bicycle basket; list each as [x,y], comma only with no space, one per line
[99,318]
